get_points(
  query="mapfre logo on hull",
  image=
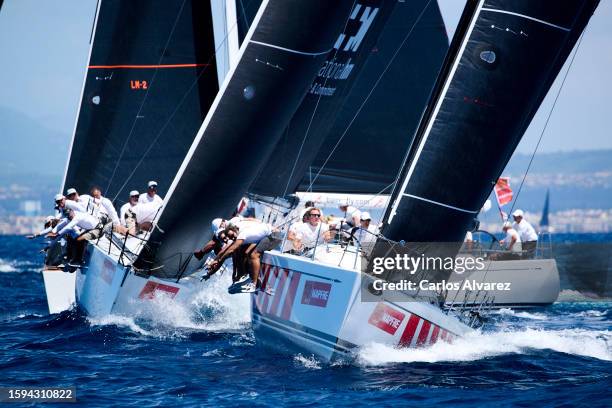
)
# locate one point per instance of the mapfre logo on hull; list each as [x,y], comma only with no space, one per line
[386,318]
[316,293]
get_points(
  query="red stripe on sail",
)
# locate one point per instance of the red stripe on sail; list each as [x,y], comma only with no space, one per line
[278,293]
[293,285]
[408,333]
[271,282]
[434,335]
[423,333]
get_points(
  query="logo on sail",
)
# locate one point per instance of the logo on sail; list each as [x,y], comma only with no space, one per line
[316,293]
[386,318]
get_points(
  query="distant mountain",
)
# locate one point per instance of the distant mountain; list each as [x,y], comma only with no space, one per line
[587,161]
[30,148]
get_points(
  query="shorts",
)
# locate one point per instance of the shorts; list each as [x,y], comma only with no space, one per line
[269,243]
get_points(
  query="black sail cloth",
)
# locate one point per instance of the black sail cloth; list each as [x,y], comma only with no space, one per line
[150,81]
[286,46]
[326,96]
[367,158]
[503,61]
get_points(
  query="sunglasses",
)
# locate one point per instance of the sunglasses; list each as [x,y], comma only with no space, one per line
[314,215]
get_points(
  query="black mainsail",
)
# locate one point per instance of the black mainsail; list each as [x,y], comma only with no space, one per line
[281,54]
[308,128]
[150,81]
[503,60]
[385,105]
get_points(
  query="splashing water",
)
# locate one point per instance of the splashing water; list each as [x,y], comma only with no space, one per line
[476,346]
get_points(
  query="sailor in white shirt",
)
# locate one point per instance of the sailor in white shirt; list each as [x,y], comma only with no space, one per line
[85,200]
[151,195]
[62,204]
[306,235]
[352,215]
[82,220]
[511,243]
[251,239]
[103,206]
[132,201]
[529,237]
[140,217]
[366,233]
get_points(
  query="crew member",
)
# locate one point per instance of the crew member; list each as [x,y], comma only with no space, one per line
[132,201]
[62,205]
[366,233]
[529,237]
[352,215]
[86,201]
[151,196]
[140,217]
[251,238]
[511,243]
[305,235]
[103,207]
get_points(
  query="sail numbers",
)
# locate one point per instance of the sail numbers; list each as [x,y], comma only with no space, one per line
[135,84]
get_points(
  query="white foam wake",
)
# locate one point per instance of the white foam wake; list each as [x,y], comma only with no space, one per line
[209,308]
[523,315]
[6,266]
[476,346]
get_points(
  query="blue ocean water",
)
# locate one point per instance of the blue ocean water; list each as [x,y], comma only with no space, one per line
[555,356]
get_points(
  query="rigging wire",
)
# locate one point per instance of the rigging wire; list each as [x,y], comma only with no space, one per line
[546,123]
[144,99]
[370,93]
[315,109]
[178,105]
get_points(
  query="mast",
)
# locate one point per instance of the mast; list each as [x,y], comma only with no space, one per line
[279,57]
[503,60]
[150,81]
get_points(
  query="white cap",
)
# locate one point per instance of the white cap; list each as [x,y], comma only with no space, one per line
[365,216]
[71,191]
[517,213]
[49,218]
[507,224]
[134,193]
[152,183]
[215,225]
[59,197]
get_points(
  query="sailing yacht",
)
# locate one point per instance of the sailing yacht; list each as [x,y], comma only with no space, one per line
[320,302]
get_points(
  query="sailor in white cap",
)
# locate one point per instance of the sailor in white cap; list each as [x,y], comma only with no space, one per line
[352,215]
[50,222]
[366,233]
[151,195]
[61,205]
[85,200]
[132,201]
[529,237]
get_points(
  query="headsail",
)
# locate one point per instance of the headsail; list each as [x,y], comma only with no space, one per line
[150,81]
[367,158]
[327,94]
[286,45]
[503,60]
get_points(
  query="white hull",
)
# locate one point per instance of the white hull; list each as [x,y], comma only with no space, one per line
[104,286]
[59,288]
[317,307]
[532,283]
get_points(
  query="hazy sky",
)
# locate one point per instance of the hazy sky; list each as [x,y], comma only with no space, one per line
[44,48]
